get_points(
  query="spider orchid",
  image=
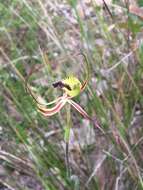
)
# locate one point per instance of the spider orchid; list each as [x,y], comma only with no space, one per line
[71,87]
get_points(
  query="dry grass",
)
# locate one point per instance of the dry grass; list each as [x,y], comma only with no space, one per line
[47,36]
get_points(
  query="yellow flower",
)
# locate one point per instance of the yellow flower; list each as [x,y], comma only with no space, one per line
[74,84]
[71,87]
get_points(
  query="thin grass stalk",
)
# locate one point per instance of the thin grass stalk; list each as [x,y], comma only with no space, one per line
[122,143]
[37,161]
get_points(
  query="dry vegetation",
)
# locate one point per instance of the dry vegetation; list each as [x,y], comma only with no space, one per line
[44,38]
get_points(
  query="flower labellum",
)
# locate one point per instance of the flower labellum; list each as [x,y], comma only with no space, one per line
[74,84]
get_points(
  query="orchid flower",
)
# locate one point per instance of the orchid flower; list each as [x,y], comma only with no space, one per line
[71,87]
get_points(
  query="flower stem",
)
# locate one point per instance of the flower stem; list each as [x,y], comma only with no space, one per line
[67,137]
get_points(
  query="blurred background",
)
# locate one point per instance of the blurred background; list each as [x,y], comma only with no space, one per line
[41,40]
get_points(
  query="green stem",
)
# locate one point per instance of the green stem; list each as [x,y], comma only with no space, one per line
[66,137]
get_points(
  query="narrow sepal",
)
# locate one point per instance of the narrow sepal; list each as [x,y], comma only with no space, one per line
[51,111]
[79,109]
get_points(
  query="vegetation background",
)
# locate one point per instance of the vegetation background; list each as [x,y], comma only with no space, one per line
[45,37]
